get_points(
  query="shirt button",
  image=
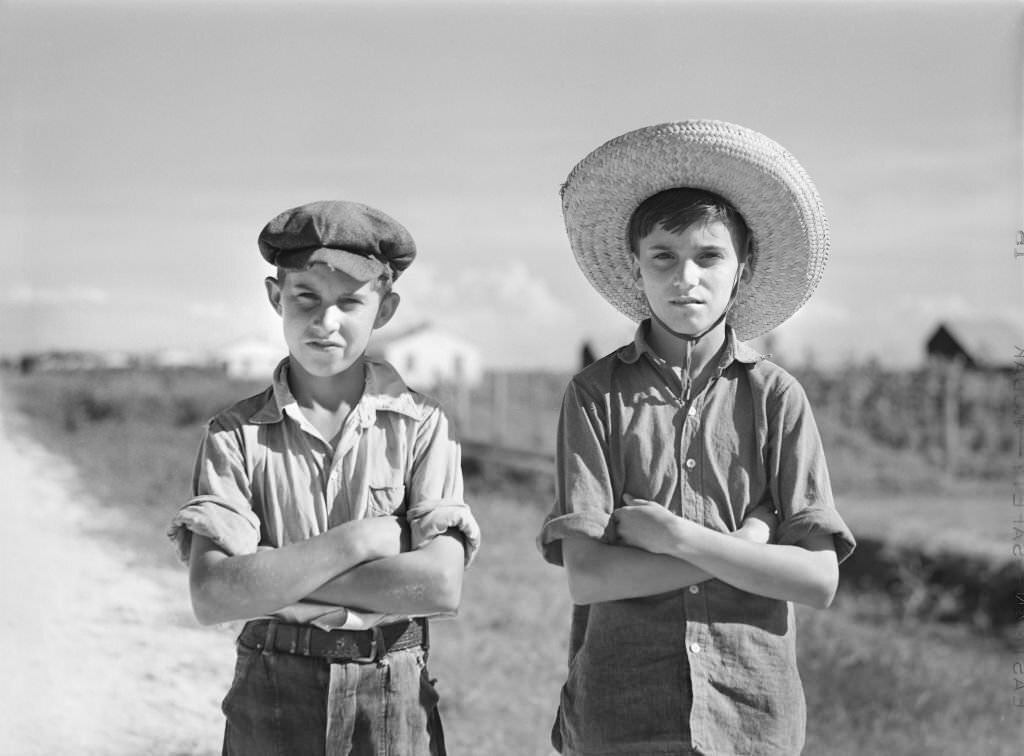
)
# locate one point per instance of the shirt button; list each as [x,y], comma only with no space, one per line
[692,412]
[695,647]
[694,589]
[690,463]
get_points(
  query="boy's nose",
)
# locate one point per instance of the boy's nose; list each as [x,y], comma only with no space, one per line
[330,318]
[687,274]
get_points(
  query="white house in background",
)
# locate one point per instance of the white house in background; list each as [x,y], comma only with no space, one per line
[251,358]
[176,358]
[427,356]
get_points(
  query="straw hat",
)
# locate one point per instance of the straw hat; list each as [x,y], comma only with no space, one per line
[757,175]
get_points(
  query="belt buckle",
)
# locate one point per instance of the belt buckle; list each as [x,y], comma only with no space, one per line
[376,644]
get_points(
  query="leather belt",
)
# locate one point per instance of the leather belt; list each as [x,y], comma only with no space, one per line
[359,646]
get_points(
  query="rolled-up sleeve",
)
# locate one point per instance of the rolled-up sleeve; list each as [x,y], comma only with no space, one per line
[431,518]
[583,489]
[436,498]
[798,475]
[220,508]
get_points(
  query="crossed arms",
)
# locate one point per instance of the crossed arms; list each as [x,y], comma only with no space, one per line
[656,551]
[363,564]
[626,549]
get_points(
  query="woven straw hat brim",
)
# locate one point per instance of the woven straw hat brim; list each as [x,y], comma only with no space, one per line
[757,175]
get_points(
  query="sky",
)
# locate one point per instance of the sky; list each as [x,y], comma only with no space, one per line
[144,145]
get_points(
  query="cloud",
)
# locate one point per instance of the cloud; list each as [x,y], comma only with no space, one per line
[207,310]
[215,323]
[938,307]
[31,295]
[820,312]
[821,330]
[928,311]
[509,313]
[509,288]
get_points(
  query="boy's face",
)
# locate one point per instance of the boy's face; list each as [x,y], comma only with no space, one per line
[328,316]
[688,276]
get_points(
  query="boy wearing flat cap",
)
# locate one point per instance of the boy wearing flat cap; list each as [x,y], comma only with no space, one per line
[693,501]
[327,510]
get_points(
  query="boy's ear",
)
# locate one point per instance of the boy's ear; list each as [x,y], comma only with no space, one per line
[634,267]
[746,273]
[388,305]
[273,293]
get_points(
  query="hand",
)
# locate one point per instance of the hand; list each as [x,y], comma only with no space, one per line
[759,525]
[649,526]
[380,537]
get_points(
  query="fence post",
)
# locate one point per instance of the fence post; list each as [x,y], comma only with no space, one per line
[499,407]
[461,401]
[951,415]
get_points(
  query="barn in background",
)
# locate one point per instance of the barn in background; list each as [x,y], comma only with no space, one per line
[986,345]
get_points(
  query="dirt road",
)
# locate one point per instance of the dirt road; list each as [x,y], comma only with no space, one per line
[99,653]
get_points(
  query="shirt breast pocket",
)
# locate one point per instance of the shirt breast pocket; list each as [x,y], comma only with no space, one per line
[386,498]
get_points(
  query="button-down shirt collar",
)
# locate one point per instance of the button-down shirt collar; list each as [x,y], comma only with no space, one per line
[735,350]
[384,391]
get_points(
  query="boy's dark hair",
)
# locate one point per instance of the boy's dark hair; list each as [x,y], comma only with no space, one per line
[677,209]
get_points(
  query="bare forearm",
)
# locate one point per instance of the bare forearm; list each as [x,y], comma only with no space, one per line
[423,581]
[790,573]
[600,571]
[226,588]
[603,572]
[808,573]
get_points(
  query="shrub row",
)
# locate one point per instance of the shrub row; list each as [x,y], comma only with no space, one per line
[944,586]
[175,398]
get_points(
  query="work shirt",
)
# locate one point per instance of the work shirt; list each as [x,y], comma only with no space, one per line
[265,477]
[707,669]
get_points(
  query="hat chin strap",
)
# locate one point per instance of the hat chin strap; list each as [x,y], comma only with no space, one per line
[689,340]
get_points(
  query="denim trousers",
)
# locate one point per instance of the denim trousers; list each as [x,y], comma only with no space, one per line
[290,705]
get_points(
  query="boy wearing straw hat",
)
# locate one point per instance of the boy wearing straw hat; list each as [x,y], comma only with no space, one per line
[693,501]
[327,510]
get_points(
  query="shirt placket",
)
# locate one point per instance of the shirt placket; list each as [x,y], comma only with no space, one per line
[316,512]
[342,487]
[333,484]
[695,599]
[690,459]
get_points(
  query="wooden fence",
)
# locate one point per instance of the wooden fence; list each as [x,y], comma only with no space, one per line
[963,422]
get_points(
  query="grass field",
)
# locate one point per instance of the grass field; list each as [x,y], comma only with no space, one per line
[875,683]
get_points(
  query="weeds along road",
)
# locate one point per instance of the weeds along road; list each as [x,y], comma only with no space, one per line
[99,652]
[95,658]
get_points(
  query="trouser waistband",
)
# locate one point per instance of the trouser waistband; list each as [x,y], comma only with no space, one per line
[360,646]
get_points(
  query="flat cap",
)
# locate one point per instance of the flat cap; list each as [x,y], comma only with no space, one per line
[349,236]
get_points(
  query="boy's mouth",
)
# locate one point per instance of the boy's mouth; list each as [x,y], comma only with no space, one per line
[683,301]
[324,344]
